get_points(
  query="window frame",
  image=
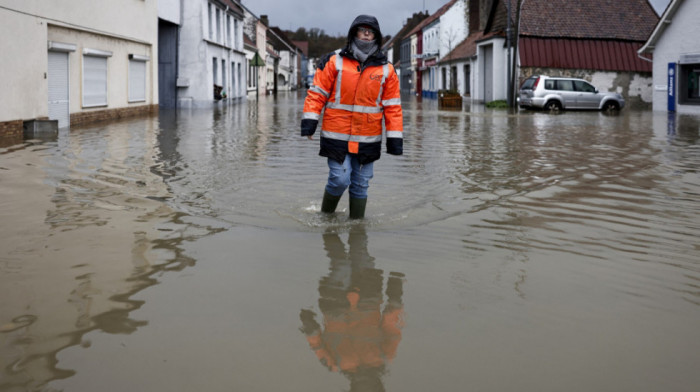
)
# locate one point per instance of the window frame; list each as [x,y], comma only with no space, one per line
[134,60]
[682,91]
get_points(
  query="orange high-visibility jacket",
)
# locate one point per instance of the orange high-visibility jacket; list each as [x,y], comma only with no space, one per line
[356,98]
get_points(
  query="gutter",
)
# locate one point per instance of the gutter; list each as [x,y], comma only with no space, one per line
[660,26]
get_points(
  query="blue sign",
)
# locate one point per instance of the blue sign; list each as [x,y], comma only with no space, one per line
[671,87]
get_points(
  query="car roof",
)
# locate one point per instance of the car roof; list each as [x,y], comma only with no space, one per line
[559,77]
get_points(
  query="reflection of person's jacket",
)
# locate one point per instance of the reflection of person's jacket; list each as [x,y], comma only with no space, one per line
[356,334]
[356,97]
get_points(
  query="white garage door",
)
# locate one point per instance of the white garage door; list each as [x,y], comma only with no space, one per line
[58,88]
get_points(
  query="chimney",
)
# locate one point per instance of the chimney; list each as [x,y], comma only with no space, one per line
[265,20]
[474,17]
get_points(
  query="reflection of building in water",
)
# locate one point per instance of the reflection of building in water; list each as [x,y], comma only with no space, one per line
[89,231]
[358,338]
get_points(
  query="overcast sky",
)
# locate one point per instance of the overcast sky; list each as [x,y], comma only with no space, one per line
[334,16]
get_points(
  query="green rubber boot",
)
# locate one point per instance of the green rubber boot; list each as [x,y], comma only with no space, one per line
[329,202]
[357,208]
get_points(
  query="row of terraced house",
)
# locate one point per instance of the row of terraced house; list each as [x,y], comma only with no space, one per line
[78,61]
[484,49]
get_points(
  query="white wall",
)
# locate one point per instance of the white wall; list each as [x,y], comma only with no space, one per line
[169,10]
[680,37]
[24,93]
[198,50]
[117,66]
[112,24]
[498,74]
[453,28]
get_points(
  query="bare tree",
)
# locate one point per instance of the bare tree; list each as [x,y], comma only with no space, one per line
[450,39]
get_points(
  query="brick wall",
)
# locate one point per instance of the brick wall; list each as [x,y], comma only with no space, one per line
[111,114]
[11,132]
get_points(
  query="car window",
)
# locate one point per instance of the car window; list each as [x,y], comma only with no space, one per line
[527,84]
[549,85]
[565,85]
[583,86]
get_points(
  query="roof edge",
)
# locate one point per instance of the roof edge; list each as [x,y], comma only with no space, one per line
[665,20]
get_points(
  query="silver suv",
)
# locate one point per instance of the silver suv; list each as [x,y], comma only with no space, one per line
[557,93]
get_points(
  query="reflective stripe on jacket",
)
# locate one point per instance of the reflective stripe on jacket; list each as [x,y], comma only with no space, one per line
[355,101]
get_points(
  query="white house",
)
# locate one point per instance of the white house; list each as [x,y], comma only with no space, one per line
[256,30]
[287,71]
[676,58]
[252,70]
[169,20]
[453,30]
[76,61]
[211,58]
[441,32]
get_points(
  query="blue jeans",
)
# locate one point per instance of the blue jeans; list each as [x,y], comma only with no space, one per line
[350,174]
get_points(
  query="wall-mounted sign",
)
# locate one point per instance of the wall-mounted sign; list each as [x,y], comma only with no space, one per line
[690,58]
[671,87]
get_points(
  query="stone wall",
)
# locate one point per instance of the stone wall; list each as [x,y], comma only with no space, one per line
[635,87]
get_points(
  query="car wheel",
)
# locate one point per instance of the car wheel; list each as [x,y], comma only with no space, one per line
[553,106]
[611,106]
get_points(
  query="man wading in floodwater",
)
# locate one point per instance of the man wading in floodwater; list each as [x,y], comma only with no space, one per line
[358,88]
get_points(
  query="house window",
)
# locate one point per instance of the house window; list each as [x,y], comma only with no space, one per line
[215,70]
[218,25]
[235,34]
[223,74]
[467,76]
[211,22]
[228,30]
[689,84]
[233,80]
[444,78]
[95,77]
[137,78]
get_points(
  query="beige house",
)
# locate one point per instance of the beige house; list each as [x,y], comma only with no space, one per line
[76,61]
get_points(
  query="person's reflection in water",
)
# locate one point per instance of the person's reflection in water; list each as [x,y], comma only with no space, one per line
[358,338]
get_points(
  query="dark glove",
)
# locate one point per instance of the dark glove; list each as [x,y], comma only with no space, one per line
[394,145]
[308,127]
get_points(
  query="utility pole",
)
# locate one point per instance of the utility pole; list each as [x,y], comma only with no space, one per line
[509,99]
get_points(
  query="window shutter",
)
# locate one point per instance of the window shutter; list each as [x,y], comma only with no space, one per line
[137,81]
[94,81]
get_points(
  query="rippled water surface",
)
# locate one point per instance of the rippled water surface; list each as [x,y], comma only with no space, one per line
[501,252]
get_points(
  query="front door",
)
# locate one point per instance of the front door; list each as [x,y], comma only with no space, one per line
[59,105]
[587,98]
[167,64]
[488,74]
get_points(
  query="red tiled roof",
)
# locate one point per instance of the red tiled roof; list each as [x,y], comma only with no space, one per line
[631,20]
[604,55]
[466,48]
[248,41]
[303,45]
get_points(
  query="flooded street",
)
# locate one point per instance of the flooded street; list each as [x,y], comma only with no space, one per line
[501,252]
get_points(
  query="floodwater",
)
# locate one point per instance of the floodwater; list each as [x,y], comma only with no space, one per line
[502,252]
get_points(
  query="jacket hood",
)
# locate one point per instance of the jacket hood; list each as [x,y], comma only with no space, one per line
[367,20]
